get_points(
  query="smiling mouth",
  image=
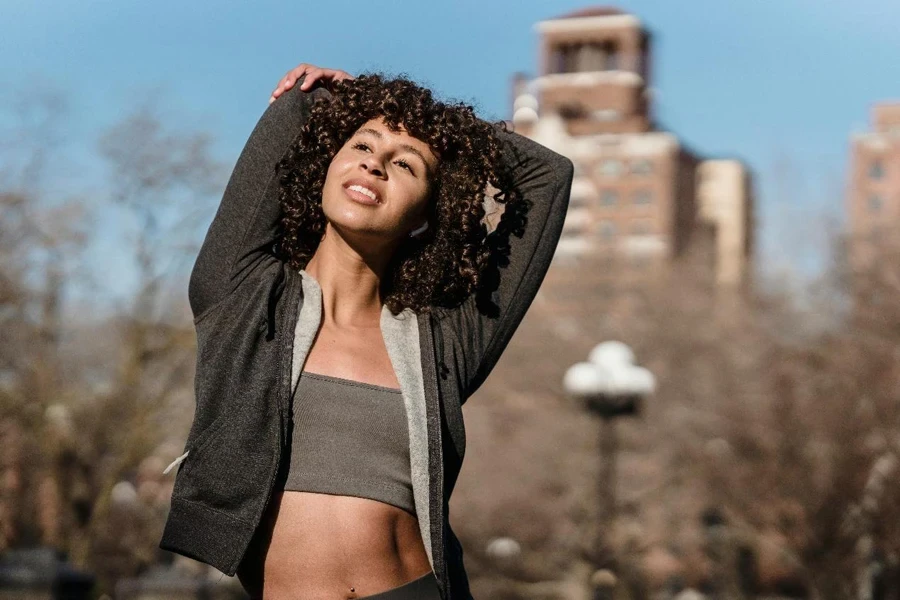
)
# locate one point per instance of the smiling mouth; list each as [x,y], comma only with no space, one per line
[360,197]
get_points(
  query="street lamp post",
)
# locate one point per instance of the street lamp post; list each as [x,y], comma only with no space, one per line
[610,385]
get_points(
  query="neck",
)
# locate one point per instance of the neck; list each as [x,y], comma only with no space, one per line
[350,277]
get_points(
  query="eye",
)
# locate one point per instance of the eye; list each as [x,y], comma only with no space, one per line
[401,162]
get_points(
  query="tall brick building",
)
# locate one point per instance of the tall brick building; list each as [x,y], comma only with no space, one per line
[638,190]
[724,203]
[873,199]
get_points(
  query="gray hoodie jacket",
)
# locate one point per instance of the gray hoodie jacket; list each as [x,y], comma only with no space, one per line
[256,319]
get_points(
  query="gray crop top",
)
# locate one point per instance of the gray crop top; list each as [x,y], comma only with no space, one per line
[349,438]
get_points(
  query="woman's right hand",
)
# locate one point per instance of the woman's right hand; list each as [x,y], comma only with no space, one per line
[314,74]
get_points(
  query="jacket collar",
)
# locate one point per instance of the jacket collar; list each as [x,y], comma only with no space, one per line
[401,338]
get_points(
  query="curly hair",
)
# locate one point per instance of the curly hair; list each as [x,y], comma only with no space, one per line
[445,264]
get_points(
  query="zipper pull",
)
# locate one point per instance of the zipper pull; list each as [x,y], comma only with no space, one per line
[176,462]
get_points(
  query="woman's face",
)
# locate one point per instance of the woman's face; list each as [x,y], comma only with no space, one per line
[379,183]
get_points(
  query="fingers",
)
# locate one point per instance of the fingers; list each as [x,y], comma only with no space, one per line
[288,80]
[338,75]
[313,74]
[311,77]
[325,77]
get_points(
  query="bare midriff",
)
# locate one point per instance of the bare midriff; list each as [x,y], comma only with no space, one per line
[330,547]
[327,546]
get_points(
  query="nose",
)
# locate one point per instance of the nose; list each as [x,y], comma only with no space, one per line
[373,165]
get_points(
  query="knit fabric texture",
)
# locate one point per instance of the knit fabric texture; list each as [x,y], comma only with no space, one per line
[349,438]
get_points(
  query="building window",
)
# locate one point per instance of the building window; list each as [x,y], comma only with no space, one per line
[568,59]
[572,110]
[611,57]
[606,115]
[573,231]
[876,170]
[579,199]
[642,167]
[590,58]
[607,230]
[557,59]
[564,58]
[643,197]
[875,203]
[609,197]
[642,227]
[610,168]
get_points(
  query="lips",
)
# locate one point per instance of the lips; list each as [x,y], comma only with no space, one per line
[359,196]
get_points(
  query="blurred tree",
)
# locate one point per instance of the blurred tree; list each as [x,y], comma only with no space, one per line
[40,240]
[163,182]
[773,411]
[87,399]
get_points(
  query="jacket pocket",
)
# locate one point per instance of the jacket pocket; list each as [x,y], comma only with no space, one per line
[228,468]
[197,443]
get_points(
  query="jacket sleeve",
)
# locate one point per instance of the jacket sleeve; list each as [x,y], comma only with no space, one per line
[245,226]
[488,319]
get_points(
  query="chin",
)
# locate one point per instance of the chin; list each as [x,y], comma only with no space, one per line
[351,218]
[354,224]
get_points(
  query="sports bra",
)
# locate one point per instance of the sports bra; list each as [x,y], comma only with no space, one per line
[349,438]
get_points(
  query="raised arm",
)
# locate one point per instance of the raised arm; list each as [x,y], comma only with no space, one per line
[487,320]
[243,231]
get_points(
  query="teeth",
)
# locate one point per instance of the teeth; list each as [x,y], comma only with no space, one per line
[363,190]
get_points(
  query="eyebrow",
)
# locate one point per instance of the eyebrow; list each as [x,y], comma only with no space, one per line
[406,147]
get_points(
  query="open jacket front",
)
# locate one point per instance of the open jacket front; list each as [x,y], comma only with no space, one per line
[256,319]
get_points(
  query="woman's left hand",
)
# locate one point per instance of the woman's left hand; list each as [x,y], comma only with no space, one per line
[314,74]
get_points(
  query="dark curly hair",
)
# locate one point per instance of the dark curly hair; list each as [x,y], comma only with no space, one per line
[442,266]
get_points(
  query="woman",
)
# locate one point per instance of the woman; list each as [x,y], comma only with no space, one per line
[348,299]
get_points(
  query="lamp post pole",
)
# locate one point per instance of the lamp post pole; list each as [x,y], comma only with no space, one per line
[609,452]
[609,385]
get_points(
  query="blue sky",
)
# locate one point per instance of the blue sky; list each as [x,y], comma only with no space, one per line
[778,83]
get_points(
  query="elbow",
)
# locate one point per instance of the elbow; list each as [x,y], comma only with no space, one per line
[559,169]
[198,290]
[564,168]
[525,153]
[205,286]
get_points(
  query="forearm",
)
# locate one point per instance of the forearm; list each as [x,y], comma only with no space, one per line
[249,214]
[525,242]
[541,180]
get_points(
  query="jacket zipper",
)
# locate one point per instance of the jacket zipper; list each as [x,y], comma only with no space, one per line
[437,512]
[437,508]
